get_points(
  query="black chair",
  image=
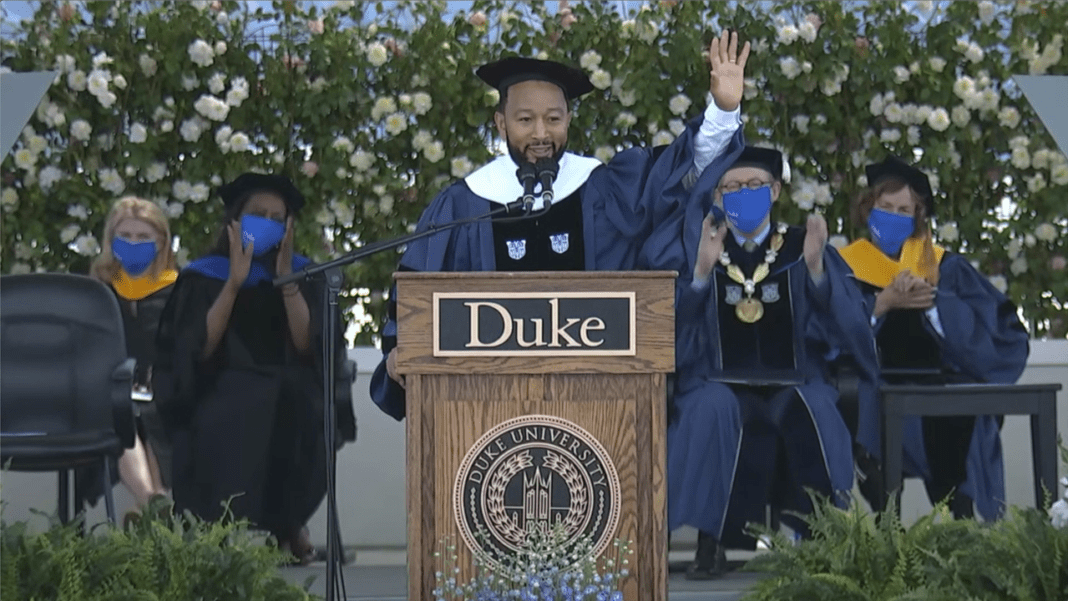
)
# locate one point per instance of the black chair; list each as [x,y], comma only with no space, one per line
[65,379]
[1037,400]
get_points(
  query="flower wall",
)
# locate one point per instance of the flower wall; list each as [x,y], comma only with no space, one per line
[373,107]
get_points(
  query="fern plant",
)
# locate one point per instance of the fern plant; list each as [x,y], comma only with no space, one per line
[159,556]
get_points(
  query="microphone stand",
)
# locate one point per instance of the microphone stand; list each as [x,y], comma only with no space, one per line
[331,272]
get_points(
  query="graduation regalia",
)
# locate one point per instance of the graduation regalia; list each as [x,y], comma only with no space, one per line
[141,301]
[247,422]
[981,340]
[602,215]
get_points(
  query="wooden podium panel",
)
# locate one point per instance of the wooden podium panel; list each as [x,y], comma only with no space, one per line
[506,437]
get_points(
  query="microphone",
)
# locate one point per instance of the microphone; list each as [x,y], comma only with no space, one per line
[528,176]
[547,170]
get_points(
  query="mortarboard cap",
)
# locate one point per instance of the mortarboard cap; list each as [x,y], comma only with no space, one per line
[516,69]
[893,167]
[767,159]
[248,183]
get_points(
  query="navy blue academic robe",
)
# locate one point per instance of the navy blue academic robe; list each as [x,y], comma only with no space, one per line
[982,340]
[716,481]
[619,210]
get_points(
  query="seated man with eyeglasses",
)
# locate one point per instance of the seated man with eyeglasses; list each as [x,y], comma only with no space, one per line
[761,310]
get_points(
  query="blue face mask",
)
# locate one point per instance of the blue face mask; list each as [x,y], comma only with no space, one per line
[135,257]
[890,230]
[746,209]
[264,233]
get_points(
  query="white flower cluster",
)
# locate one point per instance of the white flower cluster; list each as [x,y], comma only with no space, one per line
[50,114]
[949,232]
[212,108]
[361,160]
[604,153]
[791,68]
[626,119]
[590,60]
[201,53]
[807,193]
[182,190]
[679,104]
[1039,62]
[433,150]
[231,141]
[238,92]
[832,86]
[787,33]
[601,79]
[977,94]
[970,50]
[461,166]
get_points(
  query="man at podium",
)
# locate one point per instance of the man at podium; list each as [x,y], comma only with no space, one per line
[600,215]
[757,420]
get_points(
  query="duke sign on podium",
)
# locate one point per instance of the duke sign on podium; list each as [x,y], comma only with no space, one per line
[535,400]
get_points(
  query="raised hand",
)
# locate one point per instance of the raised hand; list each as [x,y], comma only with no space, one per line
[284,262]
[727,74]
[710,249]
[240,255]
[815,240]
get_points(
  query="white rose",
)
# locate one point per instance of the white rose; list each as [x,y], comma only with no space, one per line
[434,152]
[662,138]
[1058,514]
[181,190]
[1021,159]
[890,135]
[81,130]
[174,210]
[876,106]
[69,233]
[239,142]
[167,126]
[628,98]
[626,119]
[49,176]
[421,103]
[377,54]
[1014,248]
[937,64]
[396,123]
[807,31]
[461,166]
[986,12]
[147,64]
[65,63]
[1019,266]
[383,106]
[111,181]
[964,87]
[894,113]
[199,192]
[212,108]
[1059,174]
[421,139]
[939,119]
[9,198]
[1009,117]
[190,130]
[901,74]
[590,60]
[787,34]
[1040,158]
[604,153]
[961,116]
[1030,241]
[679,104]
[77,81]
[236,96]
[220,48]
[676,126]
[1019,142]
[804,196]
[648,30]
[912,135]
[138,133]
[86,245]
[190,82]
[1046,232]
[974,53]
[949,232]
[361,160]
[155,172]
[1036,183]
[342,144]
[217,83]
[601,79]
[201,53]
[790,67]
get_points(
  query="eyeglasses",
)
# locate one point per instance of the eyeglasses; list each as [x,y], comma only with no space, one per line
[752,184]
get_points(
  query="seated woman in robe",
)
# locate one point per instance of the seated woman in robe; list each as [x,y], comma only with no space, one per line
[137,262]
[936,321]
[240,371]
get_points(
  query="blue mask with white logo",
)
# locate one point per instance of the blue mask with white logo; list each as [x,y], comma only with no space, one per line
[136,257]
[746,209]
[890,230]
[263,233]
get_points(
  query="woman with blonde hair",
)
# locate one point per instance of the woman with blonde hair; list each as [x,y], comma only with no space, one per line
[936,320]
[138,263]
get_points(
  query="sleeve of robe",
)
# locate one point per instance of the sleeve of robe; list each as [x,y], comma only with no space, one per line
[178,374]
[984,337]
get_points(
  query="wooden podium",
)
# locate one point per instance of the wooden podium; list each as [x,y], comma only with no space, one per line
[536,399]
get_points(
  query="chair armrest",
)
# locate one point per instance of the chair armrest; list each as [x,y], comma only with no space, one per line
[122,402]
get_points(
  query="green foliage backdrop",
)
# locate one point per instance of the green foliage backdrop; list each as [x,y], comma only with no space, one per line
[373,108]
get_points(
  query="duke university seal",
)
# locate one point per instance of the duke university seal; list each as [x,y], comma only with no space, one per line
[531,474]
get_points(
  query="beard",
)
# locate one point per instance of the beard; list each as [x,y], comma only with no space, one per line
[519,156]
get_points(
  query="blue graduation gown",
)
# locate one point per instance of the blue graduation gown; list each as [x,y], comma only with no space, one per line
[705,440]
[621,205]
[984,341]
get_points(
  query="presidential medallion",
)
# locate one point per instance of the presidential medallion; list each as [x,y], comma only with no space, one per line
[749,310]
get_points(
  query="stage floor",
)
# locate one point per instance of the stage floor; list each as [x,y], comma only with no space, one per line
[366,582]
